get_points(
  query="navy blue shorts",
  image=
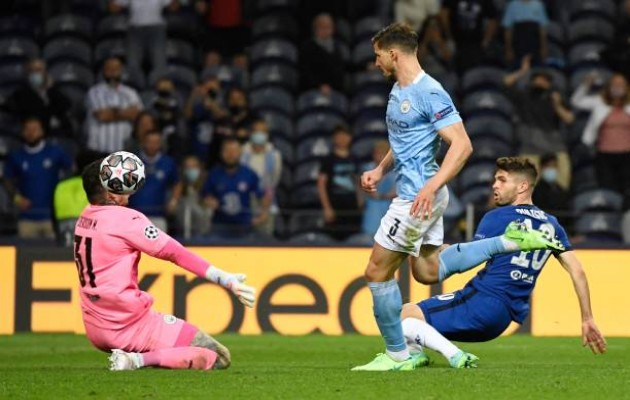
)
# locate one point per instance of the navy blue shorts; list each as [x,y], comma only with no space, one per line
[466,315]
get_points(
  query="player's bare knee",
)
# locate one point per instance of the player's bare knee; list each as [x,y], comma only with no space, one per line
[411,310]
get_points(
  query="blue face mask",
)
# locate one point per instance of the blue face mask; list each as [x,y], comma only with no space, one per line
[550,175]
[259,138]
[36,79]
[192,174]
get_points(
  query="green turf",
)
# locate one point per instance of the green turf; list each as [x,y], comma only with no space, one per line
[318,367]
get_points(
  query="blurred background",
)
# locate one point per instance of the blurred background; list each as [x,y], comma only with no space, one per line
[256,118]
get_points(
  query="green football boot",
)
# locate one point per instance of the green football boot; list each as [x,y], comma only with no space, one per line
[530,239]
[463,360]
[383,362]
[420,359]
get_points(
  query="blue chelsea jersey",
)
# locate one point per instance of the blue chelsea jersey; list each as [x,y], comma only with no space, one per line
[415,113]
[512,276]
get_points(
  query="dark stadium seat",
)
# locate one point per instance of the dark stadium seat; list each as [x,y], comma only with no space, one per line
[17,49]
[275,75]
[275,26]
[585,54]
[589,29]
[372,81]
[368,102]
[305,197]
[68,49]
[76,94]
[365,28]
[583,179]
[579,9]
[272,98]
[490,126]
[318,123]
[19,26]
[305,222]
[313,148]
[228,75]
[93,10]
[112,27]
[477,196]
[315,100]
[478,174]
[482,78]
[597,200]
[70,146]
[582,155]
[305,173]
[68,73]
[279,124]
[487,103]
[183,77]
[275,6]
[69,25]
[285,148]
[359,239]
[8,212]
[343,30]
[489,149]
[556,33]
[273,51]
[180,52]
[286,177]
[371,125]
[183,26]
[12,75]
[558,78]
[311,239]
[109,48]
[363,54]
[600,226]
[577,77]
[362,147]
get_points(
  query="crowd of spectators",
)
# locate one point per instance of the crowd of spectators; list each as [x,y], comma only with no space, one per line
[248,114]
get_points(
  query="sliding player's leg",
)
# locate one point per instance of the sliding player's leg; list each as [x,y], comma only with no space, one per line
[173,358]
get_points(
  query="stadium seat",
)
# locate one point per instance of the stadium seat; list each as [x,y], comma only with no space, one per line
[183,26]
[583,179]
[490,126]
[558,79]
[273,51]
[363,54]
[229,76]
[579,9]
[112,27]
[180,52]
[68,73]
[286,177]
[312,239]
[359,240]
[306,173]
[275,75]
[577,77]
[68,49]
[279,124]
[314,100]
[477,196]
[272,98]
[305,197]
[19,26]
[487,103]
[585,54]
[582,155]
[556,33]
[301,222]
[109,48]
[482,78]
[373,80]
[12,75]
[597,200]
[600,226]
[343,31]
[93,10]
[76,94]
[318,123]
[183,77]
[591,29]
[8,212]
[488,149]
[363,147]
[368,102]
[274,6]
[478,174]
[313,148]
[68,25]
[365,28]
[372,126]
[70,146]
[275,26]
[17,49]
[286,150]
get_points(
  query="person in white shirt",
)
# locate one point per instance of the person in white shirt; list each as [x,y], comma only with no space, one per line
[111,108]
[146,33]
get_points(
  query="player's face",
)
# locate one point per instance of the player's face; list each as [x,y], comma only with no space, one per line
[384,61]
[505,187]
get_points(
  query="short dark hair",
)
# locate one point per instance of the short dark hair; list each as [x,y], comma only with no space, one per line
[228,140]
[547,158]
[519,165]
[398,35]
[92,182]
[341,129]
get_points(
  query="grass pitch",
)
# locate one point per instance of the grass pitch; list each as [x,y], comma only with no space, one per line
[36,366]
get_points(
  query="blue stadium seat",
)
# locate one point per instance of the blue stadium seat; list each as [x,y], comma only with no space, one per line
[477,196]
[478,174]
[278,26]
[583,179]
[180,52]
[313,148]
[491,126]
[585,54]
[183,77]
[365,28]
[363,54]
[487,103]
[275,75]
[68,73]
[318,123]
[600,226]
[373,103]
[362,147]
[343,30]
[112,27]
[272,98]
[489,149]
[556,33]
[372,126]
[306,173]
[279,124]
[12,75]
[229,76]
[482,78]
[68,49]
[19,26]
[591,29]
[69,25]
[109,48]
[305,222]
[305,197]
[359,240]
[273,51]
[314,100]
[579,9]
[17,49]
[286,150]
[373,80]
[597,200]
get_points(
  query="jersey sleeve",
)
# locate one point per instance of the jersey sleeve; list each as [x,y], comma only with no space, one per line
[142,235]
[484,229]
[440,109]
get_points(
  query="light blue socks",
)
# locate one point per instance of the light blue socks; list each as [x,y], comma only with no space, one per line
[387,307]
[464,256]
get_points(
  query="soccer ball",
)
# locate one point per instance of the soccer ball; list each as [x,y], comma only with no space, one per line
[122,173]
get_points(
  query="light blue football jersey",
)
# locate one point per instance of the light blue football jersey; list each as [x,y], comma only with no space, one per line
[414,115]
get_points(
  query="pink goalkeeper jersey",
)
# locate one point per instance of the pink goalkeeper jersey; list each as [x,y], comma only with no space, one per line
[107,247]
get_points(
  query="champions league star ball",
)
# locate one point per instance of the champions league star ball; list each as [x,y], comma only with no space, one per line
[122,173]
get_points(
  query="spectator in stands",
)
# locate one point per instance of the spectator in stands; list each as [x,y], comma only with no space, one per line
[226,28]
[608,130]
[541,114]
[472,26]
[143,123]
[262,157]
[337,187]
[435,52]
[617,54]
[415,12]
[321,63]
[32,173]
[40,97]
[161,192]
[549,194]
[111,108]
[204,108]
[166,107]
[228,191]
[525,28]
[70,198]
[146,33]
[193,219]
[212,59]
[377,203]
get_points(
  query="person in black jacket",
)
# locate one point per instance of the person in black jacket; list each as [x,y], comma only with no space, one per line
[39,97]
[549,194]
[321,63]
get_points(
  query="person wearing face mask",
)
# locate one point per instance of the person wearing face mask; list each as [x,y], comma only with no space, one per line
[42,98]
[166,107]
[549,195]
[262,157]
[192,218]
[31,174]
[608,130]
[111,109]
[321,63]
[541,117]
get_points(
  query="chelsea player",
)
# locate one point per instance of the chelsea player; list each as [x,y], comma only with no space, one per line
[500,292]
[419,115]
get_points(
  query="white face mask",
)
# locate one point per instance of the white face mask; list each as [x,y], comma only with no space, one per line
[550,175]
[192,174]
[259,138]
[617,92]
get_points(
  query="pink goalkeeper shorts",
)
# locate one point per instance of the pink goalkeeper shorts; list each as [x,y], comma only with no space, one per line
[154,331]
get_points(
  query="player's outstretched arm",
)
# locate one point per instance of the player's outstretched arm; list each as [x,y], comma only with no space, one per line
[591,335]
